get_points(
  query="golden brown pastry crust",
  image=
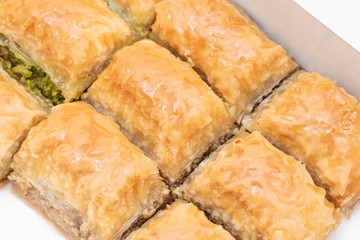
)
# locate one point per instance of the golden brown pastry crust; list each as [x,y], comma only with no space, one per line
[70,39]
[139,13]
[18,113]
[162,106]
[318,123]
[180,221]
[259,192]
[80,162]
[241,63]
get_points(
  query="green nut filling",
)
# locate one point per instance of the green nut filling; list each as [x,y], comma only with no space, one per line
[30,75]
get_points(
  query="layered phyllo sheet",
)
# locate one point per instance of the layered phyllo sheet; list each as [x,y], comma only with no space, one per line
[259,192]
[162,106]
[316,121]
[85,175]
[238,60]
[180,221]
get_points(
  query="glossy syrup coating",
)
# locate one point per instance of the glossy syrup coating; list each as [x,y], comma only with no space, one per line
[162,106]
[260,192]
[241,63]
[318,123]
[180,221]
[70,39]
[81,162]
[19,112]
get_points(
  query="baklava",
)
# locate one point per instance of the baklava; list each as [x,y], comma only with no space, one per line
[85,175]
[58,47]
[317,122]
[179,222]
[19,112]
[162,106]
[259,192]
[140,14]
[239,61]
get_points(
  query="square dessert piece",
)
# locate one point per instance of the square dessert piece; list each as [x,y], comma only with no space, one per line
[162,106]
[240,62]
[140,14]
[318,123]
[59,47]
[259,192]
[18,113]
[85,175]
[180,221]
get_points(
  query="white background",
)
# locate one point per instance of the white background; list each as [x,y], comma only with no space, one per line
[18,222]
[341,16]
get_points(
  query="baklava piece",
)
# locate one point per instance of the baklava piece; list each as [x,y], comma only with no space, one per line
[259,192]
[85,175]
[58,47]
[18,113]
[179,222]
[240,62]
[162,106]
[140,14]
[319,124]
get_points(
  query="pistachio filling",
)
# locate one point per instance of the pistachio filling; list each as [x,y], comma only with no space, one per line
[30,75]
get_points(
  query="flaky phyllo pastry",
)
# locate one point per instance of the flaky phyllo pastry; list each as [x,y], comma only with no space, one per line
[239,61]
[319,123]
[18,113]
[58,47]
[85,175]
[259,192]
[162,106]
[180,221]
